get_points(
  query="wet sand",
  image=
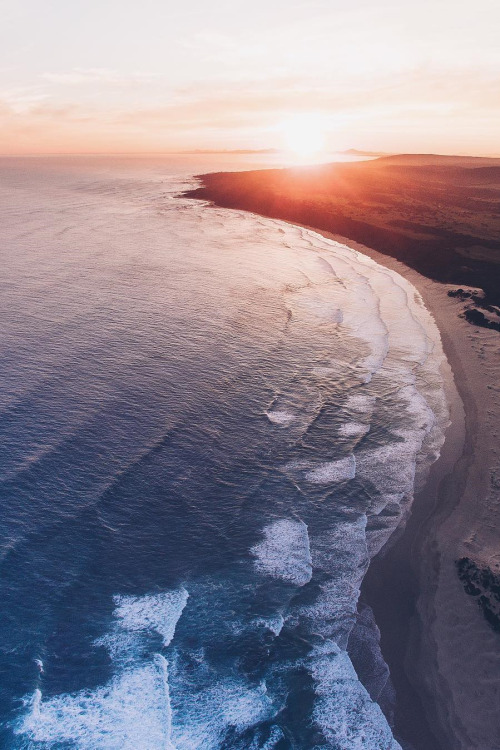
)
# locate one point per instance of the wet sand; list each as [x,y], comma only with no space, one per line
[439,631]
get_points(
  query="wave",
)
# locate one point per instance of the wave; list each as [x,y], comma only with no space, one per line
[281,416]
[361,420]
[339,470]
[284,552]
[348,718]
[343,712]
[205,715]
[130,711]
[138,708]
[393,422]
[332,471]
[133,709]
[136,615]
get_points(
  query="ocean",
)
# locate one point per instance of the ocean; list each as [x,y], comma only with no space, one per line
[210,423]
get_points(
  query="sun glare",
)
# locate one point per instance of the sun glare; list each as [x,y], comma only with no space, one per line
[304,135]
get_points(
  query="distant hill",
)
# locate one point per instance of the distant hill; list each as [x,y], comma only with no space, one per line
[438,160]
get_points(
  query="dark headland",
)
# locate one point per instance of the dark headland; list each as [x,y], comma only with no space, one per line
[440,215]
[436,592]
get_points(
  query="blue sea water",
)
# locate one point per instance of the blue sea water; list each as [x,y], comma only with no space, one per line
[209,423]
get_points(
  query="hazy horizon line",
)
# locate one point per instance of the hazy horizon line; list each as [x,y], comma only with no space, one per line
[239,151]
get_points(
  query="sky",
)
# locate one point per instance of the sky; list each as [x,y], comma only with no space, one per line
[157,75]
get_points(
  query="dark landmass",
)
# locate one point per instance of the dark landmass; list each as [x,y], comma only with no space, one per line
[437,214]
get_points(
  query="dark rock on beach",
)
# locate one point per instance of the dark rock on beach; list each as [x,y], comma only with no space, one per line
[481,582]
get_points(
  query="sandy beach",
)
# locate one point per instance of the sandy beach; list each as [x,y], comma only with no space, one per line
[438,643]
[436,592]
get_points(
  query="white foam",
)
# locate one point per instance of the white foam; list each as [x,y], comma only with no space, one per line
[202,719]
[39,664]
[339,470]
[343,709]
[391,467]
[132,711]
[281,417]
[274,624]
[275,736]
[353,429]
[284,552]
[35,703]
[135,616]
[332,471]
[159,612]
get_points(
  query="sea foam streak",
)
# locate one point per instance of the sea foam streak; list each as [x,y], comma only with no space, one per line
[280,416]
[339,470]
[160,612]
[332,471]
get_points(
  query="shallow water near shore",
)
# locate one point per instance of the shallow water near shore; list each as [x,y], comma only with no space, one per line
[210,423]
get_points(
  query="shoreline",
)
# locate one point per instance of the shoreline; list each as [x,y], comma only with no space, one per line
[392,586]
[442,652]
[409,586]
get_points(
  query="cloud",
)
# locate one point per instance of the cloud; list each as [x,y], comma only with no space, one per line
[78,76]
[82,75]
[420,105]
[22,100]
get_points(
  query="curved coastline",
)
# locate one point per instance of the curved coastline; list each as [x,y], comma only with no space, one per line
[407,585]
[420,605]
[399,585]
[412,586]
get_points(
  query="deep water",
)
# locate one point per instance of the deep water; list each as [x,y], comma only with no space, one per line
[209,422]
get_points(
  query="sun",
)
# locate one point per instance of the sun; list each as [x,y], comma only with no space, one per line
[304,135]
